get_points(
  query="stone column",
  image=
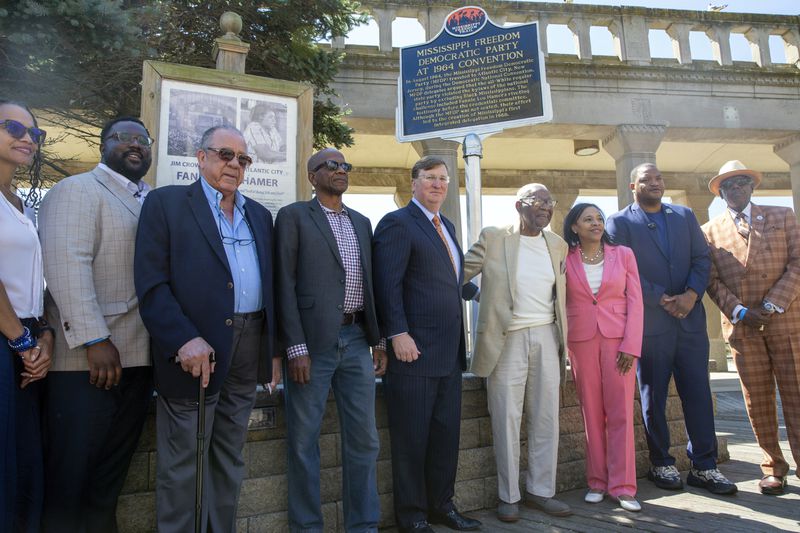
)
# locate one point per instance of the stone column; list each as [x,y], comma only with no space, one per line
[580,32]
[720,37]
[432,19]
[718,351]
[759,46]
[679,33]
[384,19]
[565,200]
[789,151]
[448,151]
[631,145]
[542,20]
[337,42]
[229,51]
[634,34]
[791,45]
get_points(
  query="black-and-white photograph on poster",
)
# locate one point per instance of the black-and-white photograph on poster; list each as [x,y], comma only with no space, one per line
[264,130]
[191,113]
[267,122]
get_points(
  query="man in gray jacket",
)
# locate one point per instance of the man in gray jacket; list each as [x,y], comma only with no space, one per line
[327,323]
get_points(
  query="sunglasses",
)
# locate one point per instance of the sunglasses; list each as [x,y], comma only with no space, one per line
[226,154]
[333,166]
[737,181]
[18,131]
[130,138]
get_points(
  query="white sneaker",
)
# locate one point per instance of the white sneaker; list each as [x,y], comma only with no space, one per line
[629,503]
[594,496]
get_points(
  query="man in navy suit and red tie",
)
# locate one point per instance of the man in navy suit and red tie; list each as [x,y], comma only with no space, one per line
[418,270]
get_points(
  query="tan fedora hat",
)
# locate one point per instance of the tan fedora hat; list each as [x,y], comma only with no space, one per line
[731,169]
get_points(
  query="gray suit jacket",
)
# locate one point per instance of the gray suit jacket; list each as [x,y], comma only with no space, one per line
[87,226]
[310,277]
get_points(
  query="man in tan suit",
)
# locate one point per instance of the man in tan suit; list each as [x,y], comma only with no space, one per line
[100,384]
[520,346]
[755,280]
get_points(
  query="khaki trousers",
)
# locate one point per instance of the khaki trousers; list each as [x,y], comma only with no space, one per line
[527,373]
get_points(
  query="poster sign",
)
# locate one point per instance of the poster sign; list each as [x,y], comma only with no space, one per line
[473,77]
[269,125]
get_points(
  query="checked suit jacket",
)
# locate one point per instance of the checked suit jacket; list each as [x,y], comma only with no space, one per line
[765,266]
[87,226]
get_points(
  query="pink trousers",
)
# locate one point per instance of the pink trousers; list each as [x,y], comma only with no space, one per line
[607,404]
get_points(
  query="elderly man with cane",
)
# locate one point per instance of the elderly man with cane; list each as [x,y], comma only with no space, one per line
[206,235]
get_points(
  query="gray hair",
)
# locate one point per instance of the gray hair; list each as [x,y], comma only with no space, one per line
[526,191]
[205,140]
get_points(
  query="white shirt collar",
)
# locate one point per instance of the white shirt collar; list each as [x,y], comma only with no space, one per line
[428,214]
[139,191]
[746,212]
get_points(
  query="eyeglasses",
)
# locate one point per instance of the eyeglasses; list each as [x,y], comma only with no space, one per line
[537,203]
[234,240]
[227,155]
[333,166]
[434,179]
[736,181]
[18,130]
[130,138]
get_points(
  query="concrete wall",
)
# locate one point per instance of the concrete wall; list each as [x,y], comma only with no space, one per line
[263,500]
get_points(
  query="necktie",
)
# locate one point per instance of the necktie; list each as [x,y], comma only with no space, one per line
[438,225]
[743,226]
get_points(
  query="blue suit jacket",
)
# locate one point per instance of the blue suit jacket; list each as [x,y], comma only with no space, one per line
[687,266]
[417,292]
[185,287]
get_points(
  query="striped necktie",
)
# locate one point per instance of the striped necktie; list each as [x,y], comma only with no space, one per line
[438,225]
[742,226]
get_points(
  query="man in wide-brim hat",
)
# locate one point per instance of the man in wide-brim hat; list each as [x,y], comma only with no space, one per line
[755,281]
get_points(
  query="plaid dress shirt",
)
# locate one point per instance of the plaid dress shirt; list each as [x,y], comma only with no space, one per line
[347,242]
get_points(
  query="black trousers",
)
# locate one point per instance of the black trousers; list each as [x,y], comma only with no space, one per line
[424,426]
[90,436]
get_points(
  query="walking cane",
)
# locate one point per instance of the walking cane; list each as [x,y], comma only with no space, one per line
[201,427]
[201,430]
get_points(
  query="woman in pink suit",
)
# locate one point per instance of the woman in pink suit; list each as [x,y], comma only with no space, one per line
[604,315]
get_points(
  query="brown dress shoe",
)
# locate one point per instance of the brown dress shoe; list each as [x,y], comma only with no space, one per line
[772,485]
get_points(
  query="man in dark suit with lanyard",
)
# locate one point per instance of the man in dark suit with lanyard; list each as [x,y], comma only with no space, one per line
[418,276]
[327,323]
[203,274]
[674,266]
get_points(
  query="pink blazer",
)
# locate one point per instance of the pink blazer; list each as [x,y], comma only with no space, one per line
[617,309]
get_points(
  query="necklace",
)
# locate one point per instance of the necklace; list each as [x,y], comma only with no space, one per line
[594,258]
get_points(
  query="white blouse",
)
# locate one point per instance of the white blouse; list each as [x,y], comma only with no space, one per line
[594,275]
[21,260]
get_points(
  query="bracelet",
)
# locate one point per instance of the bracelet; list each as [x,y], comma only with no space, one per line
[24,342]
[742,312]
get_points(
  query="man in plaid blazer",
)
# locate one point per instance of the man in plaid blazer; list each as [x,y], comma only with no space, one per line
[100,385]
[755,279]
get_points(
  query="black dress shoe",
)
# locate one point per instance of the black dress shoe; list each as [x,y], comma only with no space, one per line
[418,527]
[456,520]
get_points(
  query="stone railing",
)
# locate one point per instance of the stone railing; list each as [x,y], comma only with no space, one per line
[263,500]
[629,27]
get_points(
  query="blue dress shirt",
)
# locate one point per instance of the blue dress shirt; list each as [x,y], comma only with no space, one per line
[242,258]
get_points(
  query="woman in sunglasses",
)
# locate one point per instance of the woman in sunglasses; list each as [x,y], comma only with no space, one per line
[605,321]
[25,339]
